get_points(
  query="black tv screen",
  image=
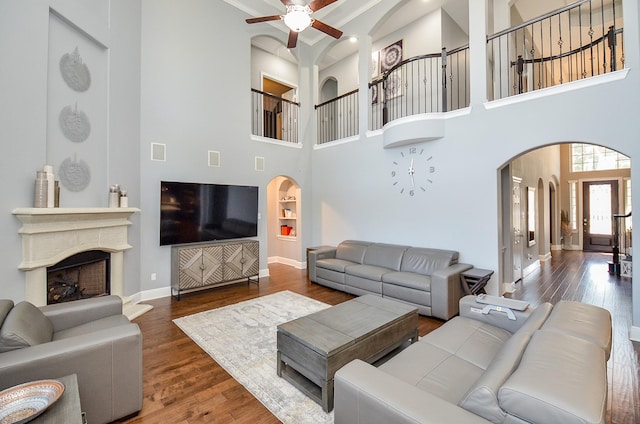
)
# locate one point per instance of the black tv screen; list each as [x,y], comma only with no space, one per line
[196,212]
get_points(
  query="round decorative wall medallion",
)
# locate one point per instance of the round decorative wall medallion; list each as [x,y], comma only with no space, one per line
[74,124]
[75,73]
[74,174]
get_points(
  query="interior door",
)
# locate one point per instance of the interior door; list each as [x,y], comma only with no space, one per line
[600,203]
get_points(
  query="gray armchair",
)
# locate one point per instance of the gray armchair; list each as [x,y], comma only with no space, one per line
[90,338]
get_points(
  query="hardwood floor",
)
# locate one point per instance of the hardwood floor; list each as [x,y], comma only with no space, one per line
[182,384]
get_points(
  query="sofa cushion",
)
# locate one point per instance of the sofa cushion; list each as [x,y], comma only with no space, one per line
[425,261]
[25,325]
[5,307]
[434,370]
[370,272]
[408,279]
[482,397]
[333,264]
[352,250]
[588,322]
[384,255]
[472,340]
[560,379]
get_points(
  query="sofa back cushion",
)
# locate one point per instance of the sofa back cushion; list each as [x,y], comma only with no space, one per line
[425,261]
[25,325]
[5,307]
[384,255]
[560,379]
[588,322]
[482,397]
[352,250]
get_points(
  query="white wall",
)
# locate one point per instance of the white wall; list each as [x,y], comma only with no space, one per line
[344,71]
[196,79]
[272,66]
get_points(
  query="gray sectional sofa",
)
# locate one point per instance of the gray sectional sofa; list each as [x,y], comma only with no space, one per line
[548,365]
[428,279]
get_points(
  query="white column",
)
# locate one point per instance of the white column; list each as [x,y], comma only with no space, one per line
[478,52]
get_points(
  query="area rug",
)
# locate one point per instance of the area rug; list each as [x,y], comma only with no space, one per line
[242,339]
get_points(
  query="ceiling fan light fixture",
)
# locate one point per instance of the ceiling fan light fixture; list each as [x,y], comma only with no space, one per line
[297,17]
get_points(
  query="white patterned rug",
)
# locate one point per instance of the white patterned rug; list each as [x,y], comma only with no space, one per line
[242,339]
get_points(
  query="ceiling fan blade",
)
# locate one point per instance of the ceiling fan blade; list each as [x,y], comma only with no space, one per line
[293,39]
[319,25]
[264,19]
[286,2]
[319,4]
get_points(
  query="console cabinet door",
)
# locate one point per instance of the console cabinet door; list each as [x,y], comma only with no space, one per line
[190,272]
[241,260]
[212,271]
[251,253]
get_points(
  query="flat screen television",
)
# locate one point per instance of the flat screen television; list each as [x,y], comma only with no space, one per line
[197,212]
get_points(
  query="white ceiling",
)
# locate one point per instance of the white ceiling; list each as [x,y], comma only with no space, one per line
[342,11]
[337,15]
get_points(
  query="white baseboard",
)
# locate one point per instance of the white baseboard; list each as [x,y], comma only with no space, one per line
[508,287]
[287,261]
[634,334]
[545,257]
[155,293]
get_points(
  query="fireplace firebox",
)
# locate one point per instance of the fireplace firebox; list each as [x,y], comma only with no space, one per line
[80,276]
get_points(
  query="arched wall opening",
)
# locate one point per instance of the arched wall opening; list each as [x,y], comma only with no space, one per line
[556,179]
[284,222]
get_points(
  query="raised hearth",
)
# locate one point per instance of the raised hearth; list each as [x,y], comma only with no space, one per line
[50,235]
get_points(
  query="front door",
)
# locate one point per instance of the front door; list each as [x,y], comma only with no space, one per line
[600,204]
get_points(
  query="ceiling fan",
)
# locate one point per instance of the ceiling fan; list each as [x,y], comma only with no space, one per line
[298,18]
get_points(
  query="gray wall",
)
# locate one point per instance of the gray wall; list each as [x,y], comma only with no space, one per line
[25,144]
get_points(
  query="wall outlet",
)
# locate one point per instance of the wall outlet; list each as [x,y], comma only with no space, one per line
[153,276]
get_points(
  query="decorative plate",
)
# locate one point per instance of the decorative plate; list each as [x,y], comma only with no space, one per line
[21,404]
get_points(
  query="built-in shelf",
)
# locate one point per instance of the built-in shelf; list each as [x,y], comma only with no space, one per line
[287,211]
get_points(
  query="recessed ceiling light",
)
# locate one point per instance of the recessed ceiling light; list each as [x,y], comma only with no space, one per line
[353,38]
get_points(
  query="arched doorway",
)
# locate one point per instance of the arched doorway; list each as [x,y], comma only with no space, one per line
[558,219]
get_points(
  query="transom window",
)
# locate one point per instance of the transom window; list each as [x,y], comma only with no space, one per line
[588,157]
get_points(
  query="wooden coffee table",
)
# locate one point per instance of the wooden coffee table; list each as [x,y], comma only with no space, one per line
[312,348]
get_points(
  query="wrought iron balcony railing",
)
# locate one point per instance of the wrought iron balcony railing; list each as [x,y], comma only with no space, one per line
[274,117]
[428,83]
[338,118]
[581,40]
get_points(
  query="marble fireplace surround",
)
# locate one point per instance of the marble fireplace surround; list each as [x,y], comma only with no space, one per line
[50,235]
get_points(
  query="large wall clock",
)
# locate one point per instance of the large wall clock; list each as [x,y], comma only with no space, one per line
[413,171]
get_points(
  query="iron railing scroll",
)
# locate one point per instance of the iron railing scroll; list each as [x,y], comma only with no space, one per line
[436,82]
[274,117]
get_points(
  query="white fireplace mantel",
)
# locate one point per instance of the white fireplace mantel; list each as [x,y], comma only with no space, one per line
[50,235]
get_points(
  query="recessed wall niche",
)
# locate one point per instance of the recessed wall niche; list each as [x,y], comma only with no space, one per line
[77,111]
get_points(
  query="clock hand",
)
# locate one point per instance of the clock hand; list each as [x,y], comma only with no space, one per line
[411,172]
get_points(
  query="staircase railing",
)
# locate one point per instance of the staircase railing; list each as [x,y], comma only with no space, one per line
[338,118]
[274,117]
[437,82]
[622,242]
[581,40]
